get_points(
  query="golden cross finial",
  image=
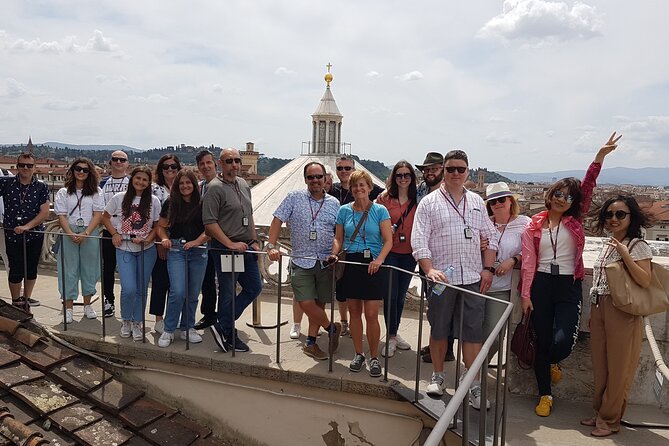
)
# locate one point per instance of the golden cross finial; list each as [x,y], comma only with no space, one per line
[329,65]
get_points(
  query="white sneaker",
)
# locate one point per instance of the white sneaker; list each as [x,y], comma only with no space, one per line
[137,332]
[401,343]
[126,329]
[193,336]
[165,339]
[475,397]
[160,326]
[295,331]
[437,385]
[90,312]
[392,345]
[68,316]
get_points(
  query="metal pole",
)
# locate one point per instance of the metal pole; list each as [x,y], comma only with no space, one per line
[421,310]
[498,384]
[483,409]
[389,312]
[506,376]
[234,296]
[62,276]
[278,312]
[333,302]
[186,293]
[457,367]
[102,285]
[141,279]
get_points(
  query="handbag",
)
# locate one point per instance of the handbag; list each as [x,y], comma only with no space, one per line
[339,267]
[524,342]
[632,298]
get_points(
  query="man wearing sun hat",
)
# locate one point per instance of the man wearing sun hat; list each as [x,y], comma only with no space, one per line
[433,174]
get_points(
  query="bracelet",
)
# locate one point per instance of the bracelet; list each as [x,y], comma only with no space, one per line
[115,233]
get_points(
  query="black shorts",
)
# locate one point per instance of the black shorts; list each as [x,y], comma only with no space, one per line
[357,283]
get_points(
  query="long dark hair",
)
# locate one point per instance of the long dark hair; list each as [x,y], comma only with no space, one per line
[182,211]
[638,217]
[160,177]
[145,200]
[391,185]
[90,183]
[574,186]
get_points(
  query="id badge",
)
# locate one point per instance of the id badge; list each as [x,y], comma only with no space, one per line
[367,253]
[245,221]
[403,238]
[312,235]
[80,222]
[555,269]
[469,234]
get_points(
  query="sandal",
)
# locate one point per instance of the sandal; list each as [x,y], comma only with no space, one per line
[601,432]
[592,422]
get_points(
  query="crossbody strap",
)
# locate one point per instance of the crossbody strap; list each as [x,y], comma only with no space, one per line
[360,223]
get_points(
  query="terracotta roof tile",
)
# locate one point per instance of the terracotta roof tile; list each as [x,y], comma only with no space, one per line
[203,431]
[17,373]
[80,374]
[115,395]
[44,395]
[144,411]
[20,410]
[7,357]
[165,432]
[103,433]
[74,417]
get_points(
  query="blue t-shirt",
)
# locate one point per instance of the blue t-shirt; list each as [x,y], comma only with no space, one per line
[369,235]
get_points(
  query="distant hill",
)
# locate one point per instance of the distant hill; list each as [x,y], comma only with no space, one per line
[109,147]
[647,176]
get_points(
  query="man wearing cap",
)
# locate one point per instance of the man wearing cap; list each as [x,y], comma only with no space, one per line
[446,235]
[433,174]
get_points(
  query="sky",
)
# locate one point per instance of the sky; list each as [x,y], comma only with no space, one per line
[520,85]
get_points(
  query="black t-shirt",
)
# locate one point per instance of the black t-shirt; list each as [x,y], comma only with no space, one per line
[188,230]
[345,196]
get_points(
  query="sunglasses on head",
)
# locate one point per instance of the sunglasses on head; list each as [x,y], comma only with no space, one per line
[118,159]
[494,201]
[81,169]
[346,168]
[560,194]
[406,176]
[232,160]
[452,169]
[25,165]
[170,166]
[620,215]
[315,177]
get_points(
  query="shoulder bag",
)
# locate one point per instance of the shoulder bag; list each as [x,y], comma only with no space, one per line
[524,342]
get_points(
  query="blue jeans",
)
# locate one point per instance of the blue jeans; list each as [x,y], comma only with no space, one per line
[251,285]
[398,290]
[134,281]
[186,270]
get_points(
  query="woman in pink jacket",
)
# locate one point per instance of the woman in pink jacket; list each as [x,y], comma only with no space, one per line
[552,272]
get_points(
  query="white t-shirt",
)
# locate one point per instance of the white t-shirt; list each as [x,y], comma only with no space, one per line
[509,245]
[66,204]
[565,250]
[161,192]
[112,186]
[133,224]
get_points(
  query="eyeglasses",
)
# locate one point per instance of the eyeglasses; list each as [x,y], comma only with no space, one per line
[494,201]
[436,169]
[25,165]
[564,196]
[315,177]
[346,168]
[170,166]
[232,160]
[406,176]
[452,169]
[117,159]
[81,169]
[620,215]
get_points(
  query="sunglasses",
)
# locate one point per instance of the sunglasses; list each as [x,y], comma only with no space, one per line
[170,166]
[452,169]
[406,176]
[620,215]
[494,201]
[119,160]
[25,165]
[315,177]
[232,160]
[346,168]
[560,194]
[432,169]
[81,169]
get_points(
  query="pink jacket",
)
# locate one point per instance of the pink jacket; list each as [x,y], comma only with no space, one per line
[532,235]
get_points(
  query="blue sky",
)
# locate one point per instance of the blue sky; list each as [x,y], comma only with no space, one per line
[521,85]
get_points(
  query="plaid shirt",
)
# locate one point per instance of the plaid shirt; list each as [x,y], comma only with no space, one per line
[439,234]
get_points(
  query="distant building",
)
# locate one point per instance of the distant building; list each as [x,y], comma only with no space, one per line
[660,230]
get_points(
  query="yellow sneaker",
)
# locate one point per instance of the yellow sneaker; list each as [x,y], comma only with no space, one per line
[543,409]
[556,373]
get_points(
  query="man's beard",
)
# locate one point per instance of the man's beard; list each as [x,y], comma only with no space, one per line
[434,182]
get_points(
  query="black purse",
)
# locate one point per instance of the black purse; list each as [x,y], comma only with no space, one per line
[524,342]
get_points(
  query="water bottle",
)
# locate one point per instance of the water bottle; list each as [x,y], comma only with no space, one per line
[439,288]
[450,271]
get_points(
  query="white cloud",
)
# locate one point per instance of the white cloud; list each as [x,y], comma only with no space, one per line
[37,46]
[411,76]
[63,105]
[646,129]
[97,43]
[15,89]
[550,133]
[217,88]
[543,20]
[502,139]
[100,43]
[373,75]
[283,71]
[155,98]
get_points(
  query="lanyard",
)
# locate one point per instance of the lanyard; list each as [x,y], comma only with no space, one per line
[362,233]
[238,191]
[499,240]
[79,198]
[313,216]
[456,206]
[341,188]
[554,243]
[23,192]
[410,205]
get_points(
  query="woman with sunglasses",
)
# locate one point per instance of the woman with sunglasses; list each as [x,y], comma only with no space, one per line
[79,206]
[165,174]
[552,273]
[615,336]
[400,200]
[137,212]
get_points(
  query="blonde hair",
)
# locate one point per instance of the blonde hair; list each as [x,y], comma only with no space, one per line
[358,175]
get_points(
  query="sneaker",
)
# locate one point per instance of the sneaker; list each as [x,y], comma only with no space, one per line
[344,329]
[545,405]
[240,346]
[126,329]
[335,337]
[392,345]
[450,356]
[193,336]
[219,338]
[21,304]
[68,316]
[437,385]
[295,332]
[475,397]
[137,332]
[33,302]
[315,352]
[205,322]
[165,339]
[374,368]
[89,312]
[159,326]
[556,373]
[401,343]
[357,363]
[109,309]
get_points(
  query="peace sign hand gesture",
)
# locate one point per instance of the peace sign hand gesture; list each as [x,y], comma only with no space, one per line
[609,147]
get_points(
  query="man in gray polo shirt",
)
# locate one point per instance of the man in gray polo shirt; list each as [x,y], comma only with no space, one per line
[227,214]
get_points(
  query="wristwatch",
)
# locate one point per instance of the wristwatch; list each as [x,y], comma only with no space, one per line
[489,268]
[269,246]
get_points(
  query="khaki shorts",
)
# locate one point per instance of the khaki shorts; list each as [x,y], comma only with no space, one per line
[311,284]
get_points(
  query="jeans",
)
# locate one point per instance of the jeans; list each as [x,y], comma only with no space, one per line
[208,304]
[108,266]
[160,287]
[134,281]
[82,264]
[400,284]
[251,285]
[186,269]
